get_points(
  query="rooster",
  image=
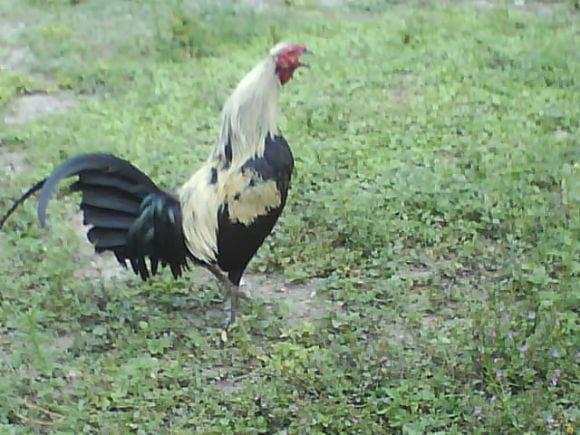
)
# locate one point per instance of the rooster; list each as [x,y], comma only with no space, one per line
[220,217]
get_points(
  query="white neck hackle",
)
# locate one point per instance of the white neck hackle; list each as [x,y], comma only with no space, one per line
[250,113]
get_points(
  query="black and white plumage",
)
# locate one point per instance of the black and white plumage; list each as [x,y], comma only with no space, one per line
[220,217]
[250,215]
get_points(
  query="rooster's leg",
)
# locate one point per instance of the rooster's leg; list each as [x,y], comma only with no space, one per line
[243,290]
[232,292]
[234,299]
[222,279]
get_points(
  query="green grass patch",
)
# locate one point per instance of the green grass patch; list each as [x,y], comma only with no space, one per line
[435,195]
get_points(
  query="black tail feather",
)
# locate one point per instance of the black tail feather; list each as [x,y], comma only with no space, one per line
[105,164]
[106,218]
[106,238]
[128,214]
[20,200]
[95,178]
[109,199]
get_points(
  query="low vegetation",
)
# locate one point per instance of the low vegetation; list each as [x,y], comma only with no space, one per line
[433,223]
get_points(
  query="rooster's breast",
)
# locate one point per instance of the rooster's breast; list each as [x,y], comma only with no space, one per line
[254,199]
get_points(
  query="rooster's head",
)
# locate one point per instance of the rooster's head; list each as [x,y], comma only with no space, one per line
[287,59]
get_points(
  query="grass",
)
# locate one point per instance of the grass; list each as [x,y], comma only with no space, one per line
[436,196]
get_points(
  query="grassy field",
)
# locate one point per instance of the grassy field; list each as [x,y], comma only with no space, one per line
[423,278]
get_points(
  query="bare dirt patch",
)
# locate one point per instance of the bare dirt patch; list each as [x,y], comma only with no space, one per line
[300,301]
[103,266]
[263,5]
[230,385]
[538,7]
[24,109]
[13,57]
[63,343]
[17,58]
[13,162]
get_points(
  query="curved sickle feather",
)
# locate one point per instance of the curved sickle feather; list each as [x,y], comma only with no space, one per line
[20,200]
[100,161]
